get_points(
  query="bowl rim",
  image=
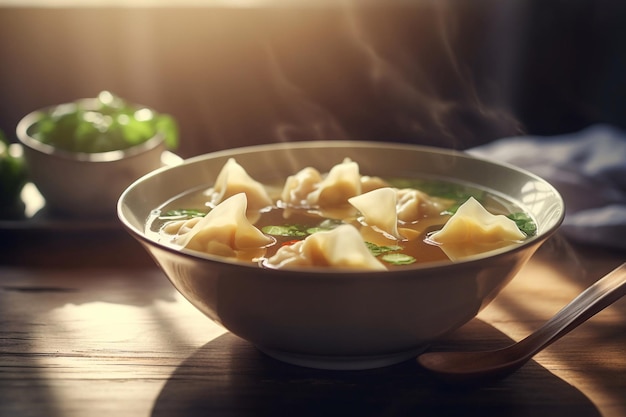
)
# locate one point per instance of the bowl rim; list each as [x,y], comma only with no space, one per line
[27,140]
[536,240]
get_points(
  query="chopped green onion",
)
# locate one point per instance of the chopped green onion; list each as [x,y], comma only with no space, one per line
[398,258]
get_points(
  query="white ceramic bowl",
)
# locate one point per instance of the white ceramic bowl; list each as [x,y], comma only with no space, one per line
[81,184]
[341,319]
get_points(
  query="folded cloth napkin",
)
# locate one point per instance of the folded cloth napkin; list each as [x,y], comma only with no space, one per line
[589,170]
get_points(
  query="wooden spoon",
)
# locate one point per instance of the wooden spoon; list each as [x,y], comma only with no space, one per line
[477,366]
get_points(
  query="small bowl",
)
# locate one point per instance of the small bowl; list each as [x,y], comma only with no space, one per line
[81,184]
[341,319]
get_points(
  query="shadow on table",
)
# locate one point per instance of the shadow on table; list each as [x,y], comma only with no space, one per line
[229,377]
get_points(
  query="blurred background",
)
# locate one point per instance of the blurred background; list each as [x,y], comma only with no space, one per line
[447,73]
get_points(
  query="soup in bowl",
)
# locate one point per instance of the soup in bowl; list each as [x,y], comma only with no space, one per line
[340,254]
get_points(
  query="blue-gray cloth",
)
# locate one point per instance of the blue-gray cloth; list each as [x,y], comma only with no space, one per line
[589,170]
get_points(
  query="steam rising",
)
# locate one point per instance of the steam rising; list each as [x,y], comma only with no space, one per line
[432,72]
[309,120]
[400,90]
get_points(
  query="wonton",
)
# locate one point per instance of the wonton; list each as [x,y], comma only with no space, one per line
[233,179]
[225,231]
[378,208]
[342,247]
[309,188]
[472,230]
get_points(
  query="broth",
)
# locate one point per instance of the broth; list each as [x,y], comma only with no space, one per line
[289,224]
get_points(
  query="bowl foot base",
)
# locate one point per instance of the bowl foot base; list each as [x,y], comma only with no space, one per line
[342,363]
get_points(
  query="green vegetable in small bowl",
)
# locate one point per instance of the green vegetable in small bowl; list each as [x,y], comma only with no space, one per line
[13,176]
[81,155]
[104,124]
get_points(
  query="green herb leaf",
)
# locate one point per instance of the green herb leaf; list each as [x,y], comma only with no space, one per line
[380,250]
[442,189]
[167,125]
[390,254]
[298,230]
[182,214]
[312,230]
[13,176]
[398,259]
[524,222]
[328,224]
[292,230]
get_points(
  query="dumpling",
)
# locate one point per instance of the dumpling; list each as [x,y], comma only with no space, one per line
[473,223]
[342,247]
[180,227]
[414,205]
[225,230]
[308,188]
[233,179]
[473,230]
[378,208]
[298,187]
[342,182]
[369,183]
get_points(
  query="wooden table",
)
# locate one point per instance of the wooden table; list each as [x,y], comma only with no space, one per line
[90,327]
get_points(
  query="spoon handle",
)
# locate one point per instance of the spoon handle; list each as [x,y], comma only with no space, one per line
[594,299]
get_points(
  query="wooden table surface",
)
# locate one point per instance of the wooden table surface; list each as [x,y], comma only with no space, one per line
[90,327]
